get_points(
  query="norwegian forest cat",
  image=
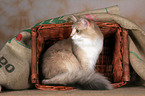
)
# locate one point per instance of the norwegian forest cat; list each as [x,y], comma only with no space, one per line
[72,61]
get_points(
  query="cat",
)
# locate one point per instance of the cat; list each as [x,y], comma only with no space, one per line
[72,61]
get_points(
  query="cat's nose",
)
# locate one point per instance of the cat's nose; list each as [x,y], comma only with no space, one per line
[71,36]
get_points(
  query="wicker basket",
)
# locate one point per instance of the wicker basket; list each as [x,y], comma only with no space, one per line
[113,61]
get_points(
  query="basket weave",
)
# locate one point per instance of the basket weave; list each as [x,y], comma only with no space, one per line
[113,61]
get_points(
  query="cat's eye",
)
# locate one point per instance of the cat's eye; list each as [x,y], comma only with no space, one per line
[77,31]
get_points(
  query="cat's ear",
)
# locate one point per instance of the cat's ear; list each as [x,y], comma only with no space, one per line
[85,22]
[75,19]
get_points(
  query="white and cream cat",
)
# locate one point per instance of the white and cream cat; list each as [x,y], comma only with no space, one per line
[72,61]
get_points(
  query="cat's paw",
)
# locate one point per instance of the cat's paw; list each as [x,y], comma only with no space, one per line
[45,81]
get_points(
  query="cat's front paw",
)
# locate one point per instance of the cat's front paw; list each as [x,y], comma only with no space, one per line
[43,81]
[46,81]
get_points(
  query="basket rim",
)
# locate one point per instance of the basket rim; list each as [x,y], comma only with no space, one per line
[68,24]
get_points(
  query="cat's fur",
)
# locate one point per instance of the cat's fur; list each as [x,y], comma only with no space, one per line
[72,61]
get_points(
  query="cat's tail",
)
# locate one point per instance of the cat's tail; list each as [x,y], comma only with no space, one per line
[82,79]
[90,81]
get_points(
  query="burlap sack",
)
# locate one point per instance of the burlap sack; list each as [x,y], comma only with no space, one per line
[15,56]
[15,61]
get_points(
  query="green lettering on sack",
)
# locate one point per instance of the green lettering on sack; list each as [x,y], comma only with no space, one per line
[3,60]
[9,68]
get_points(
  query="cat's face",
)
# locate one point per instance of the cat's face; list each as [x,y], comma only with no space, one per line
[79,28]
